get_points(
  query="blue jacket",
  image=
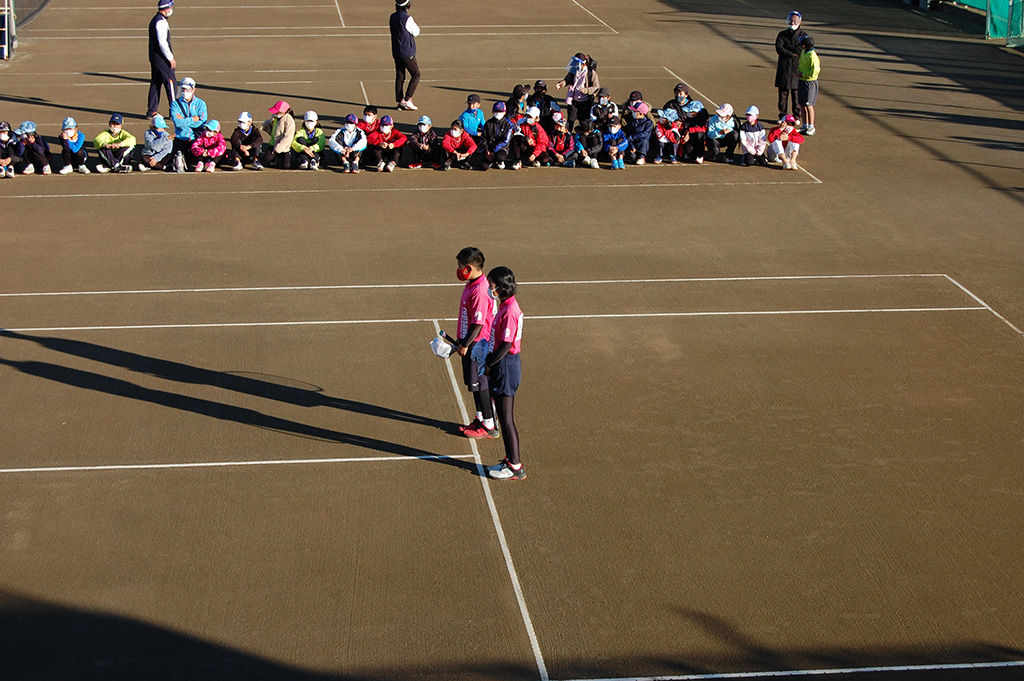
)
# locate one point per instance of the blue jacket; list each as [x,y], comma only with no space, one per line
[73,146]
[473,121]
[639,129]
[618,139]
[182,113]
[157,144]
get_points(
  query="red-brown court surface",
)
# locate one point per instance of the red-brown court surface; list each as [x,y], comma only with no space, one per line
[771,419]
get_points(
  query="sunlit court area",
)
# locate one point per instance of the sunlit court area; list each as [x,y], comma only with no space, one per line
[771,415]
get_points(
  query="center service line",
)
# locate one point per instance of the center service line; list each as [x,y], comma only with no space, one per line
[486,483]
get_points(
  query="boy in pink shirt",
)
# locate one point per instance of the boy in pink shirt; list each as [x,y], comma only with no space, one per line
[476,314]
[503,367]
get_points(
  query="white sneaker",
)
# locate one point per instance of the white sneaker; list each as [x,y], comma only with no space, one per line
[407,105]
[7,171]
[314,165]
[640,161]
[304,165]
[517,165]
[503,471]
[66,170]
[536,164]
[211,167]
[83,169]
[594,163]
[102,168]
[794,166]
[501,165]
[238,165]
[46,170]
[380,167]
[390,166]
[809,130]
[143,168]
[29,170]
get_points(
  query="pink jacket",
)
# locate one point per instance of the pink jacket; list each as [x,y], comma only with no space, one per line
[209,147]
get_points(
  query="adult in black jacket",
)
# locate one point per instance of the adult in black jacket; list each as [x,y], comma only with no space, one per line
[787,74]
[403,48]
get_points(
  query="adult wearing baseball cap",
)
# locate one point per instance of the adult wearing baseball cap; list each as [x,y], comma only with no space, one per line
[787,74]
[161,58]
[188,114]
[403,48]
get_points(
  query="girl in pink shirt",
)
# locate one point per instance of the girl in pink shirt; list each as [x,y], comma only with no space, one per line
[504,368]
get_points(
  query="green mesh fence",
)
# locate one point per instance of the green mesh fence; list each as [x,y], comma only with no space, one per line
[1015,28]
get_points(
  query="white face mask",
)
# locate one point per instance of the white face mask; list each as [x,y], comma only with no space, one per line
[4,137]
[604,101]
[244,125]
[187,95]
[456,133]
[211,133]
[351,127]
[310,125]
[531,121]
[423,127]
[369,118]
[793,27]
[115,130]
[751,119]
[614,129]
[170,11]
[385,129]
[498,115]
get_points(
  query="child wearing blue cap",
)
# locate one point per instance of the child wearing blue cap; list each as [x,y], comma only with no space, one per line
[72,148]
[157,146]
[423,144]
[349,142]
[115,147]
[36,151]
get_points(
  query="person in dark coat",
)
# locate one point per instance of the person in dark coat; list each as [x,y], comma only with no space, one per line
[403,48]
[787,74]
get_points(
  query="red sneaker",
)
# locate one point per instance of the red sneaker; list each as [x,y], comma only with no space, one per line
[472,426]
[481,433]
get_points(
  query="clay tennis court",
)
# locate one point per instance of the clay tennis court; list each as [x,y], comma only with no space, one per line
[772,420]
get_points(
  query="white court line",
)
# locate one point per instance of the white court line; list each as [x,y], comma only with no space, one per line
[341,18]
[224,464]
[366,98]
[117,36]
[485,481]
[595,16]
[703,96]
[692,89]
[190,8]
[986,305]
[821,672]
[567,282]
[610,315]
[364,190]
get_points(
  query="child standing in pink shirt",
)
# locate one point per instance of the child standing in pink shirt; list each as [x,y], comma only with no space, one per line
[476,314]
[504,369]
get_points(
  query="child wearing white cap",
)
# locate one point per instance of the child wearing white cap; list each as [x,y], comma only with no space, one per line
[723,132]
[309,142]
[532,140]
[246,143]
[72,148]
[753,139]
[157,146]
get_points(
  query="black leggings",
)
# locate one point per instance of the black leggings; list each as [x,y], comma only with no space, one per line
[509,433]
[482,399]
[401,66]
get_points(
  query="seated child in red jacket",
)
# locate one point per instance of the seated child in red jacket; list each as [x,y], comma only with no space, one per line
[385,145]
[458,146]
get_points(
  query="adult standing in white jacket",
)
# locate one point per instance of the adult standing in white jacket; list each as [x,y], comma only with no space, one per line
[403,48]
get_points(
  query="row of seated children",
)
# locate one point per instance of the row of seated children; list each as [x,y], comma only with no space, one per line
[681,130]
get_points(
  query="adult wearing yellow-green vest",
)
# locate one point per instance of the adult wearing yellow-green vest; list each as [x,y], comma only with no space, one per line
[807,92]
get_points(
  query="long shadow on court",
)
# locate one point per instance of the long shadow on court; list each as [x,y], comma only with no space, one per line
[44,641]
[305,396]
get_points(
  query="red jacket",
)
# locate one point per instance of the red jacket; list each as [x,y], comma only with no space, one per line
[377,138]
[464,144]
[535,137]
[794,136]
[561,142]
[368,127]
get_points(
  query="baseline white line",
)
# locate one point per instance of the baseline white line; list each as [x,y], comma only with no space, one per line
[114,36]
[595,16]
[568,282]
[191,8]
[983,303]
[485,481]
[821,672]
[224,464]
[616,315]
[336,4]
[554,187]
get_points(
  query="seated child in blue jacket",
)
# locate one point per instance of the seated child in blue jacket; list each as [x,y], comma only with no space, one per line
[72,148]
[639,129]
[616,144]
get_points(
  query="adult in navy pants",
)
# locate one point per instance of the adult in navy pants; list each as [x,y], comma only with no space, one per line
[161,58]
[403,48]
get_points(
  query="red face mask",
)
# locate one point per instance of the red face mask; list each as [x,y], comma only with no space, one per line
[463,273]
